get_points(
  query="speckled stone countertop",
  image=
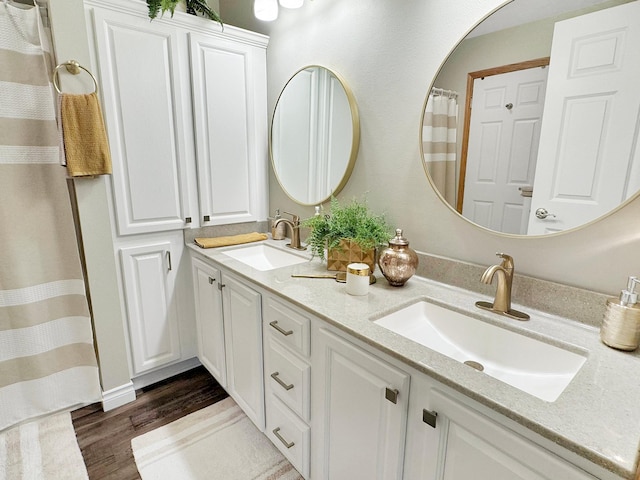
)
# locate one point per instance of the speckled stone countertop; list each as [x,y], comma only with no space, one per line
[598,414]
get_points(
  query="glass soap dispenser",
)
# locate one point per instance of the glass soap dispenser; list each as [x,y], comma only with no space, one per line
[398,262]
[621,325]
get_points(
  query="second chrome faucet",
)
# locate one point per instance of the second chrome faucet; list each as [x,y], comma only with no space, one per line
[502,302]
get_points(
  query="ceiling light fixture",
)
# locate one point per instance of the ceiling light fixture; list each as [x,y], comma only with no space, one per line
[291,3]
[266,10]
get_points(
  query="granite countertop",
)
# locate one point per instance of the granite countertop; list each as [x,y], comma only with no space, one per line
[596,416]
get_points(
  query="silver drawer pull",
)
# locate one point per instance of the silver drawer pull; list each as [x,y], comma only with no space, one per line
[275,325]
[274,375]
[284,442]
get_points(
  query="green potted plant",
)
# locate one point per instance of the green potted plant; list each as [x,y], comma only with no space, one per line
[194,7]
[350,233]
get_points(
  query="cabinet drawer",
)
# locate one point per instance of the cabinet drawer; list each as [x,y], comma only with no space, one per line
[288,325]
[289,434]
[288,378]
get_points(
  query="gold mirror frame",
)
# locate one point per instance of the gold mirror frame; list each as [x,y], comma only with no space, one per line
[355,140]
[451,207]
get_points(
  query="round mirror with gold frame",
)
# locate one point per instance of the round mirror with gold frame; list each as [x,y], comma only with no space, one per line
[315,135]
[530,127]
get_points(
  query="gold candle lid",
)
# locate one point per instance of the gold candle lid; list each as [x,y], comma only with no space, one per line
[360,269]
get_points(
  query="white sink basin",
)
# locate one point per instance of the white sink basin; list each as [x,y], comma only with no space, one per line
[265,257]
[533,366]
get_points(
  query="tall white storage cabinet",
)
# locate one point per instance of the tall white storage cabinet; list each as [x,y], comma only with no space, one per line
[184,104]
[229,92]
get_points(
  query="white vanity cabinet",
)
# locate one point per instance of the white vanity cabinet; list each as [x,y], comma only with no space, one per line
[207,283]
[359,411]
[229,324]
[287,368]
[243,346]
[448,439]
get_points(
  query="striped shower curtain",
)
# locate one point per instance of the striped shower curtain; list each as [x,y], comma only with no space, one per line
[439,142]
[47,359]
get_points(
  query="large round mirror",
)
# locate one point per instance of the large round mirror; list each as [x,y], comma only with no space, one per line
[531,125]
[315,135]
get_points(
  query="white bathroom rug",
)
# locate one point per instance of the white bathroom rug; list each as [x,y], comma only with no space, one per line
[44,449]
[217,442]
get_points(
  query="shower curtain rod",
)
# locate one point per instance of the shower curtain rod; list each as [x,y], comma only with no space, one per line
[445,93]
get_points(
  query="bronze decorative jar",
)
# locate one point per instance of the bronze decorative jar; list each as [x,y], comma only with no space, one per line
[398,262]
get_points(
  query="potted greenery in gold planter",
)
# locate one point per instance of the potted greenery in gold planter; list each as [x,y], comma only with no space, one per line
[350,233]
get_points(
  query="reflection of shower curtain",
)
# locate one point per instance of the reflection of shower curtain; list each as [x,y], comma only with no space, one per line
[47,359]
[439,142]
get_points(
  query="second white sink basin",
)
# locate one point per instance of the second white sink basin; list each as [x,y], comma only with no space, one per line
[533,366]
[265,257]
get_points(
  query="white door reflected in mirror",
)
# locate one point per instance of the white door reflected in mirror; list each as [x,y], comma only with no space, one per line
[588,160]
[314,135]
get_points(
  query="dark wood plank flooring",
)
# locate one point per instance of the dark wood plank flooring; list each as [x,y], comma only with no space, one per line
[105,437]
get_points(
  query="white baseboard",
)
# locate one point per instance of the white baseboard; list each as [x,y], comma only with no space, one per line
[164,373]
[116,397]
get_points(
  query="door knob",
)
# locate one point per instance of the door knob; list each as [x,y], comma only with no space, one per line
[542,213]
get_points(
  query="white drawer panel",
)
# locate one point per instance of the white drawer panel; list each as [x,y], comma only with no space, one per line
[288,325]
[289,434]
[288,378]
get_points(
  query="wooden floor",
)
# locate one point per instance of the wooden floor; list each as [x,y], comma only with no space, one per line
[105,437]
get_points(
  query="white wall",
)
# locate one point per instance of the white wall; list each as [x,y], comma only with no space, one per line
[389,52]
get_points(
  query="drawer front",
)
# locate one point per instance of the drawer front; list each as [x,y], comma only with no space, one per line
[287,325]
[288,378]
[289,434]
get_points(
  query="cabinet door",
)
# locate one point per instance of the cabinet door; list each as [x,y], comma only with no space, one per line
[141,69]
[359,410]
[243,342]
[208,298]
[149,285]
[229,100]
[475,446]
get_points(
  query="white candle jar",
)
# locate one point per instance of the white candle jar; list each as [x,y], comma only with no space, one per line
[357,279]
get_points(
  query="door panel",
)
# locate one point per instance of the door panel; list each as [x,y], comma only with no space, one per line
[145,120]
[503,145]
[149,283]
[591,120]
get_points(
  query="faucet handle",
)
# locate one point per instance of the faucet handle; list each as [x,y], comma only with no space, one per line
[294,218]
[507,260]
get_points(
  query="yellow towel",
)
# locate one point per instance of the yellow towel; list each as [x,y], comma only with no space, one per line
[85,139]
[231,240]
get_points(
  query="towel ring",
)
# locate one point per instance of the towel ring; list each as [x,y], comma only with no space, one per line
[74,68]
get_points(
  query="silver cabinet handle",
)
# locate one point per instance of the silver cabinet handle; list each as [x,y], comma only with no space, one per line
[542,213]
[211,280]
[275,325]
[168,260]
[275,376]
[284,442]
[429,417]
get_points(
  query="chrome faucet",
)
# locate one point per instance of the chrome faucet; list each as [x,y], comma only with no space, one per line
[294,226]
[502,302]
